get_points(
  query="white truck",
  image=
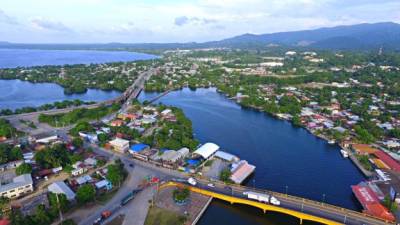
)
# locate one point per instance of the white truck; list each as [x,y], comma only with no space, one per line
[192,181]
[262,197]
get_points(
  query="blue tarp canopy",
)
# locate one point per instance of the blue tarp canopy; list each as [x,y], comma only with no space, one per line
[139,147]
[193,162]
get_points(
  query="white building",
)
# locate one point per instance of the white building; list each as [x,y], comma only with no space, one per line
[20,185]
[120,145]
[60,187]
[207,150]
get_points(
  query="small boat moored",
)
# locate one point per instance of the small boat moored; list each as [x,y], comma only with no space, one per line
[344,153]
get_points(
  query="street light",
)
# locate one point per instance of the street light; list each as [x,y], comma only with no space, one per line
[287,187]
[323,198]
[254,183]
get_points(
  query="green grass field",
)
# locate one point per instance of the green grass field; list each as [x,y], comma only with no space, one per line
[158,216]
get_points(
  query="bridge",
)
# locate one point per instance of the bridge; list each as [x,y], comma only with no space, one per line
[303,209]
[125,98]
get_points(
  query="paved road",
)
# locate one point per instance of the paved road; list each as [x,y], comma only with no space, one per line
[294,203]
[136,175]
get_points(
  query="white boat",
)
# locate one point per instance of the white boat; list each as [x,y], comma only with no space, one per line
[331,142]
[344,153]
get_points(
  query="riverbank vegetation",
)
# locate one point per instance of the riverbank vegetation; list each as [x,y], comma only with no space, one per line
[174,134]
[7,130]
[56,105]
[77,79]
[77,115]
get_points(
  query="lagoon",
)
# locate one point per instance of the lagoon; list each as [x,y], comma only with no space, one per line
[287,158]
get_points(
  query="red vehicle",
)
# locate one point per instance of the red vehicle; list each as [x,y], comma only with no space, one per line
[106,214]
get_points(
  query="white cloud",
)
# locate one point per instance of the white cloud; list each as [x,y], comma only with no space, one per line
[47,24]
[189,20]
[4,18]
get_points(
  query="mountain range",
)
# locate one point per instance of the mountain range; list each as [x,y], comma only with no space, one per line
[352,37]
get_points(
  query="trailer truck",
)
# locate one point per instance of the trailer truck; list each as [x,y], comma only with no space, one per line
[261,197]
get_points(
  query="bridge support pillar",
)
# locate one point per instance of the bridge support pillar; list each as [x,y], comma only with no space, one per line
[265,211]
[301,221]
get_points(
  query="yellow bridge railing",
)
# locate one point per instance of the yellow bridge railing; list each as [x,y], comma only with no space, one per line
[265,207]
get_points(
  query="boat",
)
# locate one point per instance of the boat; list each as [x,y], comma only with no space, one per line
[344,153]
[331,142]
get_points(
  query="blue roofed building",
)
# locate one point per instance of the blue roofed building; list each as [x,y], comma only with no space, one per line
[138,148]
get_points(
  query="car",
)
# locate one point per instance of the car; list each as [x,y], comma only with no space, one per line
[97,221]
[211,185]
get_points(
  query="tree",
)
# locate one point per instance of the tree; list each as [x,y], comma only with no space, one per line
[23,169]
[225,175]
[77,142]
[85,194]
[102,137]
[61,204]
[116,173]
[181,194]
[41,216]
[15,153]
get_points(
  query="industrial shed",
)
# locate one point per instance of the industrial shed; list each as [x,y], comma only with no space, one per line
[207,150]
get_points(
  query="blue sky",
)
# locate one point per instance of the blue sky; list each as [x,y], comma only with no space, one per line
[89,21]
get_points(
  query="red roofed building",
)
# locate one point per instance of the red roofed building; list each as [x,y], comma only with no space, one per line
[4,222]
[370,202]
[388,160]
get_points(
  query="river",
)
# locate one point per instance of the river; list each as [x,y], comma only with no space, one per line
[287,159]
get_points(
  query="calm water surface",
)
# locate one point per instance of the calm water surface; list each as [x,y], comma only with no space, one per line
[17,94]
[287,158]
[11,58]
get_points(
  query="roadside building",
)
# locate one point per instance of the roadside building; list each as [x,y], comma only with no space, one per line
[206,150]
[120,145]
[60,187]
[11,165]
[241,170]
[103,184]
[370,202]
[388,160]
[363,149]
[173,156]
[226,156]
[19,186]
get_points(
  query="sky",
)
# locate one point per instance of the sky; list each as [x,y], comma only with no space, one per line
[144,21]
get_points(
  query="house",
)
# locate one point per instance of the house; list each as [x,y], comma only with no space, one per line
[117,123]
[83,179]
[78,171]
[60,187]
[166,112]
[11,165]
[90,162]
[138,148]
[120,145]
[19,186]
[103,184]
[364,149]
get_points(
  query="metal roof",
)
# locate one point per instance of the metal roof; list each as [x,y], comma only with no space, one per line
[207,150]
